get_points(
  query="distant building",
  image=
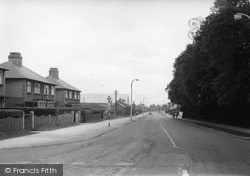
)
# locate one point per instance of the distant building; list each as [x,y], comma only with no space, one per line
[2,86]
[25,87]
[121,107]
[102,98]
[66,94]
[100,101]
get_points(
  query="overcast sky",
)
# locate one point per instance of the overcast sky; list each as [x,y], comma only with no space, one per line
[101,45]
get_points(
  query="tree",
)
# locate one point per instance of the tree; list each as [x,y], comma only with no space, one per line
[211,77]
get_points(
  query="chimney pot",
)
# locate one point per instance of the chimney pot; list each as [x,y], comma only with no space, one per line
[15,58]
[54,72]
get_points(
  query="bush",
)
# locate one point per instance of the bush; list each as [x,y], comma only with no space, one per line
[4,113]
[39,111]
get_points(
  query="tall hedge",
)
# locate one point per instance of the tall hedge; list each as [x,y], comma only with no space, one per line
[4,113]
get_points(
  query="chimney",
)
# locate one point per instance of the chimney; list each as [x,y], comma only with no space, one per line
[54,72]
[15,58]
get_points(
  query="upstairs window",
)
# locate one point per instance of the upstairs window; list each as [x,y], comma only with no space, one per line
[28,86]
[46,89]
[1,79]
[70,94]
[52,90]
[75,95]
[66,94]
[37,88]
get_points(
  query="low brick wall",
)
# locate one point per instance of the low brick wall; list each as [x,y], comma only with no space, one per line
[11,125]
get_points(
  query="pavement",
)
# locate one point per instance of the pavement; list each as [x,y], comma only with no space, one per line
[81,132]
[243,132]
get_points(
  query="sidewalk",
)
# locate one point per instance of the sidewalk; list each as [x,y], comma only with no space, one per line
[243,132]
[81,132]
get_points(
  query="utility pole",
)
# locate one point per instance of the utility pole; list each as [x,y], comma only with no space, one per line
[131,105]
[116,101]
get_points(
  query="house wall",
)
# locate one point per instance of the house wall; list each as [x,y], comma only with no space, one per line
[60,97]
[61,100]
[15,88]
[72,100]
[32,96]
[2,86]
[2,89]
[16,92]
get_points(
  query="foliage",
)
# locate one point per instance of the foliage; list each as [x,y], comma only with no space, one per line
[211,75]
[40,111]
[4,113]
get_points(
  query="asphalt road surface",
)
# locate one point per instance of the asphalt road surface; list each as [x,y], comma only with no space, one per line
[153,145]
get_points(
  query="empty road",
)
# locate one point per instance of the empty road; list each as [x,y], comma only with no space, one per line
[153,145]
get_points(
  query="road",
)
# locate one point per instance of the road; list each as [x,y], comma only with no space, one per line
[153,145]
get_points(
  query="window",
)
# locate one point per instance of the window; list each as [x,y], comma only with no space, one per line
[28,87]
[75,95]
[66,94]
[1,79]
[78,96]
[37,88]
[52,90]
[70,94]
[46,89]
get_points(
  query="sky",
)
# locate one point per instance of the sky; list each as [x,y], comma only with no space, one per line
[100,46]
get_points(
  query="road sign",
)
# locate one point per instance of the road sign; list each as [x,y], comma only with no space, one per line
[109,98]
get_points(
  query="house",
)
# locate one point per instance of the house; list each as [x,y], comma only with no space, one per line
[24,87]
[121,107]
[100,101]
[2,86]
[66,94]
[102,98]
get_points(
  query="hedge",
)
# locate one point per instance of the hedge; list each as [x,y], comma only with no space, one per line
[37,111]
[4,113]
[41,111]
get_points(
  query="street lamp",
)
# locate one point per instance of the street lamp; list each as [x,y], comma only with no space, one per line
[131,98]
[164,106]
[83,101]
[238,16]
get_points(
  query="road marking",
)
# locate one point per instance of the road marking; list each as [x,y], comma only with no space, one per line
[168,136]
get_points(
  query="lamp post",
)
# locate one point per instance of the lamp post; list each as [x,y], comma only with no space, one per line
[83,100]
[164,106]
[238,16]
[131,98]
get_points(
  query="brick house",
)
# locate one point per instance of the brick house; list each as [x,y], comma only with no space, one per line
[25,87]
[122,108]
[66,94]
[2,86]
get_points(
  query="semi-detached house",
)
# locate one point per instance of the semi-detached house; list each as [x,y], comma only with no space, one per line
[2,86]
[66,94]
[25,87]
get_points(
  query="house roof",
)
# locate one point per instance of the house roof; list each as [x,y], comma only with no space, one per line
[3,68]
[121,103]
[102,98]
[21,72]
[61,84]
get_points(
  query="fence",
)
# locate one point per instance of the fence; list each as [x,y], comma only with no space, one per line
[32,122]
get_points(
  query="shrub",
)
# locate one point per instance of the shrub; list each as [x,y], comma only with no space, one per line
[4,113]
[39,111]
